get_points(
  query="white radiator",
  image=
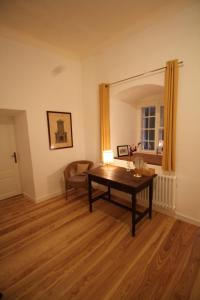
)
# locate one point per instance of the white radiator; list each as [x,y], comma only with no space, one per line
[164,192]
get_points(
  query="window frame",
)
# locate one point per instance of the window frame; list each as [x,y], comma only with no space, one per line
[148,128]
[157,105]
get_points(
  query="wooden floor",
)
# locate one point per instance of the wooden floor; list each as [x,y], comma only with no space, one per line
[58,250]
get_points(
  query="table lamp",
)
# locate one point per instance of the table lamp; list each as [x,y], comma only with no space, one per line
[107,156]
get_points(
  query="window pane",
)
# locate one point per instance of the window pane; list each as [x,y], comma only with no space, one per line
[145,145]
[162,116]
[152,122]
[151,145]
[146,122]
[151,135]
[152,111]
[146,111]
[145,135]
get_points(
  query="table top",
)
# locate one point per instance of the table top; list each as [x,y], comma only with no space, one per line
[120,175]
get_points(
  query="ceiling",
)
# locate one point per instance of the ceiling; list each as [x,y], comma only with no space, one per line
[80,26]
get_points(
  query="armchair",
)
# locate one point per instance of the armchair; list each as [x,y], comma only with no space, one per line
[75,174]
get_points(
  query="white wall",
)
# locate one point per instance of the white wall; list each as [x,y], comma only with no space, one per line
[37,80]
[174,35]
[122,124]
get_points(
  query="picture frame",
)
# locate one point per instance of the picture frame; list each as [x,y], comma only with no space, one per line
[59,130]
[122,150]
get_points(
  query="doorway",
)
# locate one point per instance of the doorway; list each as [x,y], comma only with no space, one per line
[10,184]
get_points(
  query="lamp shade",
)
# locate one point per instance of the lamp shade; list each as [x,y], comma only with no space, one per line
[107,156]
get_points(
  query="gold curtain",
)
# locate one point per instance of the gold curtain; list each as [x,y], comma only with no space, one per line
[104,116]
[170,107]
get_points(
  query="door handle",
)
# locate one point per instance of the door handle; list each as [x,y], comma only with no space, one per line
[14,155]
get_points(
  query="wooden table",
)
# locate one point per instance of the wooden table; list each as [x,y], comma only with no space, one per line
[118,178]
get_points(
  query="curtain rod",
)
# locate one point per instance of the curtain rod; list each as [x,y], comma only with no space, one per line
[135,76]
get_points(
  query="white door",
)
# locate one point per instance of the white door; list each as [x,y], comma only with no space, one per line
[9,171]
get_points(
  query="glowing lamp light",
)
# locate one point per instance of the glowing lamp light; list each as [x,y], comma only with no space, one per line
[107,156]
[160,143]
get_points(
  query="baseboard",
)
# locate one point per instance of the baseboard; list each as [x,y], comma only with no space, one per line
[49,196]
[29,197]
[9,195]
[187,219]
[13,197]
[168,212]
[165,211]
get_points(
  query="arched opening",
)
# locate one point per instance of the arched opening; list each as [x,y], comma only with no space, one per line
[16,164]
[136,117]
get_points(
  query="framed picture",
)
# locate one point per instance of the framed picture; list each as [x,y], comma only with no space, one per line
[122,150]
[59,129]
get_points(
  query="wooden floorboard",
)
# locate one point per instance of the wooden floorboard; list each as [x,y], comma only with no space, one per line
[58,250]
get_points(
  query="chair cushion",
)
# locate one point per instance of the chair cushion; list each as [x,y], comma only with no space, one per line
[81,168]
[78,178]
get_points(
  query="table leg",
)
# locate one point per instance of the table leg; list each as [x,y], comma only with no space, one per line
[90,194]
[150,198]
[133,213]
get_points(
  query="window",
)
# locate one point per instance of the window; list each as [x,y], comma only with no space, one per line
[148,127]
[161,127]
[152,128]
[161,131]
